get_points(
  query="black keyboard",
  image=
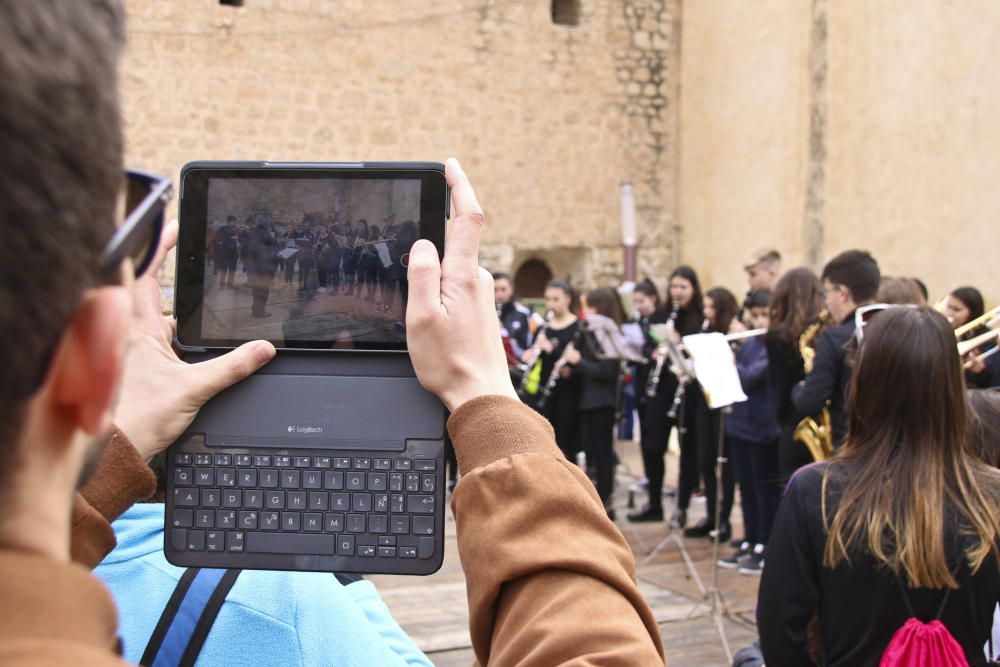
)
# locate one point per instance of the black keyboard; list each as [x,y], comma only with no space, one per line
[320,510]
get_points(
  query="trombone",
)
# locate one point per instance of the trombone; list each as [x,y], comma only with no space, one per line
[990,318]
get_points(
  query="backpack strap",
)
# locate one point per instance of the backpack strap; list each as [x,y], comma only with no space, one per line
[186,620]
[944,600]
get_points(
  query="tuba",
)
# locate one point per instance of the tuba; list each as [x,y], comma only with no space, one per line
[816,433]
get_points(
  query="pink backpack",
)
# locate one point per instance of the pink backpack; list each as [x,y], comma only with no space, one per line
[919,644]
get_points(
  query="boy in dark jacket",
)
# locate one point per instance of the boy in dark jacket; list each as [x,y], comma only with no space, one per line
[752,430]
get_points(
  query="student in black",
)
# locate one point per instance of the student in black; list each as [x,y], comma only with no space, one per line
[904,517]
[599,377]
[963,305]
[262,261]
[513,316]
[685,297]
[562,405]
[226,252]
[849,280]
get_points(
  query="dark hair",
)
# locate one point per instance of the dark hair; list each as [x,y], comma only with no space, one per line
[972,299]
[905,462]
[502,275]
[760,298]
[694,316]
[984,425]
[574,300]
[856,270]
[230,218]
[607,302]
[794,305]
[725,307]
[646,286]
[60,175]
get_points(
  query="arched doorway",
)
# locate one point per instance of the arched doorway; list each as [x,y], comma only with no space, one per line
[531,277]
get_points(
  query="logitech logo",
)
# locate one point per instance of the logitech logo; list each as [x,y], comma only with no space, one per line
[304,429]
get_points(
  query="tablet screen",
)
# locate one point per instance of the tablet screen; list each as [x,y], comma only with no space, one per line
[313,261]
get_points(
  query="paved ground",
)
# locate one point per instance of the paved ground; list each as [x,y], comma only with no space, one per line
[433,609]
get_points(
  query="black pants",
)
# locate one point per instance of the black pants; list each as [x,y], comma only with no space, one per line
[563,412]
[226,269]
[687,476]
[707,436]
[655,431]
[792,454]
[755,467]
[597,434]
[259,299]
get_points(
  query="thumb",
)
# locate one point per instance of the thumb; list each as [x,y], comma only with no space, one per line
[223,372]
[424,275]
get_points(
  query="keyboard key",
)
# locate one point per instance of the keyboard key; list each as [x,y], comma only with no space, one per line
[274,500]
[178,539]
[248,520]
[215,540]
[378,523]
[204,476]
[403,464]
[243,460]
[234,542]
[396,481]
[425,464]
[185,498]
[340,501]
[333,480]
[427,482]
[381,502]
[261,461]
[232,498]
[302,462]
[423,525]
[318,500]
[183,518]
[412,482]
[363,463]
[282,461]
[345,545]
[196,540]
[377,481]
[355,481]
[210,497]
[225,519]
[295,500]
[333,523]
[399,524]
[387,540]
[425,547]
[361,502]
[291,521]
[182,459]
[387,552]
[323,461]
[342,463]
[382,464]
[312,522]
[225,476]
[269,521]
[183,476]
[223,460]
[407,552]
[203,459]
[366,550]
[269,478]
[291,479]
[247,477]
[253,499]
[396,503]
[204,518]
[356,523]
[285,543]
[416,504]
[312,479]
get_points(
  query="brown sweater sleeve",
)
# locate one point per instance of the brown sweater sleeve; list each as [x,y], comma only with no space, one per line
[122,478]
[550,579]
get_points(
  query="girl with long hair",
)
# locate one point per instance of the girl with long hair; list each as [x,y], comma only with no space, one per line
[795,305]
[903,521]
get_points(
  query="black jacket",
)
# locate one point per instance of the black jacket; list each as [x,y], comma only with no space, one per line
[860,607]
[515,321]
[830,378]
[598,377]
[784,365]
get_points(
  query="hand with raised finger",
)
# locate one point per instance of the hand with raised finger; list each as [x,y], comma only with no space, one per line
[451,323]
[160,393]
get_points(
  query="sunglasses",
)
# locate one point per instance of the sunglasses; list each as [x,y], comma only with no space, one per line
[146,198]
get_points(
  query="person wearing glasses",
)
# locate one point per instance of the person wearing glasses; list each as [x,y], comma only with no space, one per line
[92,332]
[849,280]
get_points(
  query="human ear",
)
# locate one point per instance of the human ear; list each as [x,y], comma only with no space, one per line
[88,363]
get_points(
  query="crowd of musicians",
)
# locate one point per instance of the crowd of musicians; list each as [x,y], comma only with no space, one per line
[796,375]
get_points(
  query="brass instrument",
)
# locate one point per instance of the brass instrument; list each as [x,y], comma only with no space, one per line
[985,318]
[816,433]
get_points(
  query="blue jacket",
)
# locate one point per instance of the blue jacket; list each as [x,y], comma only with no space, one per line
[756,419]
[269,618]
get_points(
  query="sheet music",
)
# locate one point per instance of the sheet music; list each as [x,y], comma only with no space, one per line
[715,367]
[383,254]
[287,252]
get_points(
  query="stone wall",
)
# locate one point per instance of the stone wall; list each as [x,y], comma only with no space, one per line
[546,119]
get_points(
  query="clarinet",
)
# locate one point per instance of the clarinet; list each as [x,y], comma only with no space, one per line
[553,379]
[653,381]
